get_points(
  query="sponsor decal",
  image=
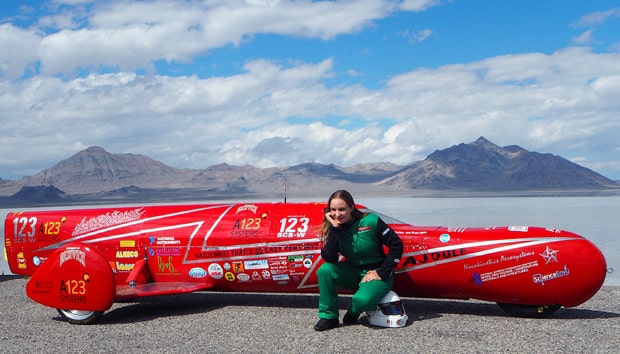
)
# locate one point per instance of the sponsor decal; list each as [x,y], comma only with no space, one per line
[127,254]
[165,265]
[48,231]
[127,243]
[237,267]
[444,238]
[73,291]
[500,259]
[278,261]
[256,264]
[247,207]
[434,256]
[73,299]
[542,278]
[280,277]
[244,233]
[516,257]
[279,270]
[164,241]
[307,263]
[230,276]
[518,228]
[479,264]
[165,252]
[44,284]
[21,261]
[124,267]
[550,255]
[243,277]
[107,220]
[74,254]
[36,261]
[480,278]
[293,227]
[47,238]
[257,251]
[215,271]
[247,227]
[197,273]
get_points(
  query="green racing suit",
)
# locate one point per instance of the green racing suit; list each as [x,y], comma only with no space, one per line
[361,242]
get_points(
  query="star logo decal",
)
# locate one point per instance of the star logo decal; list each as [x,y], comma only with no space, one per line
[550,255]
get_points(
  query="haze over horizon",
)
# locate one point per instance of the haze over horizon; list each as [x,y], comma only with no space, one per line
[280,83]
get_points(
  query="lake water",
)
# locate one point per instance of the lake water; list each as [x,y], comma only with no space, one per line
[596,218]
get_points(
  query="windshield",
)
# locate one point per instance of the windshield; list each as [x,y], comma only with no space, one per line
[387,219]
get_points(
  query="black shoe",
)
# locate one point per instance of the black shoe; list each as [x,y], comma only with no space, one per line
[325,324]
[350,318]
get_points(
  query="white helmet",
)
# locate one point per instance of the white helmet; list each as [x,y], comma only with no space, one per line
[390,312]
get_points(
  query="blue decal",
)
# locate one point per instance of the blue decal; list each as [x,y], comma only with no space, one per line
[444,238]
[197,273]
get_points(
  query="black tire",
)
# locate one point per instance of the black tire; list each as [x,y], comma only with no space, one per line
[528,311]
[80,317]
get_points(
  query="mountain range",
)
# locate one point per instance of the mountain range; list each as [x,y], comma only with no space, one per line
[96,175]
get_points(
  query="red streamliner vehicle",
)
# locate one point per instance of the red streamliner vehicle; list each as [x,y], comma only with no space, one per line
[82,261]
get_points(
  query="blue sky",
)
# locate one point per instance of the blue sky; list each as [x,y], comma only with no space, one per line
[278,83]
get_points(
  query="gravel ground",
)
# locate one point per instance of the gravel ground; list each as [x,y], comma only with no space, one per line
[260,323]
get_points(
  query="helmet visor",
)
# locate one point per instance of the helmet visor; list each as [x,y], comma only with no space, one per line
[392,308]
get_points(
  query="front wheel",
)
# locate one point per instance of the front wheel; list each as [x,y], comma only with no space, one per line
[80,316]
[529,311]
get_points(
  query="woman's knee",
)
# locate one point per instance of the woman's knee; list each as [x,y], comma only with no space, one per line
[364,299]
[325,270]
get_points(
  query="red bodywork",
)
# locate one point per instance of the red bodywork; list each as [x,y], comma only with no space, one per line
[86,259]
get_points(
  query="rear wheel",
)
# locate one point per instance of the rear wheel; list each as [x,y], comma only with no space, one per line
[529,311]
[80,316]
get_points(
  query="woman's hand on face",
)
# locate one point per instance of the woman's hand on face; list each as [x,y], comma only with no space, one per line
[331,220]
[370,276]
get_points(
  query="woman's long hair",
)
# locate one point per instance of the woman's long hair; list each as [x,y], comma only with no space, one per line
[348,199]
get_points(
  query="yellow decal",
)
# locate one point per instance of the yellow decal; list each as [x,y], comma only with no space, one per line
[126,254]
[128,243]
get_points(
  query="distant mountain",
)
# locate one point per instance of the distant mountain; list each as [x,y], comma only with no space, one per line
[478,166]
[40,195]
[95,169]
[482,165]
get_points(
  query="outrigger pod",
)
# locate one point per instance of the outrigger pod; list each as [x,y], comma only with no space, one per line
[77,277]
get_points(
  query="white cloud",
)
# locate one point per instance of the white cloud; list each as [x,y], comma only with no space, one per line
[598,17]
[130,35]
[586,37]
[281,112]
[418,5]
[417,36]
[17,50]
[193,122]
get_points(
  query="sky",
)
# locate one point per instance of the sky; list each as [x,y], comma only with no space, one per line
[276,83]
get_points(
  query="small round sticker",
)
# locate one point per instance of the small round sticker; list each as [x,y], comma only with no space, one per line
[444,238]
[215,271]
